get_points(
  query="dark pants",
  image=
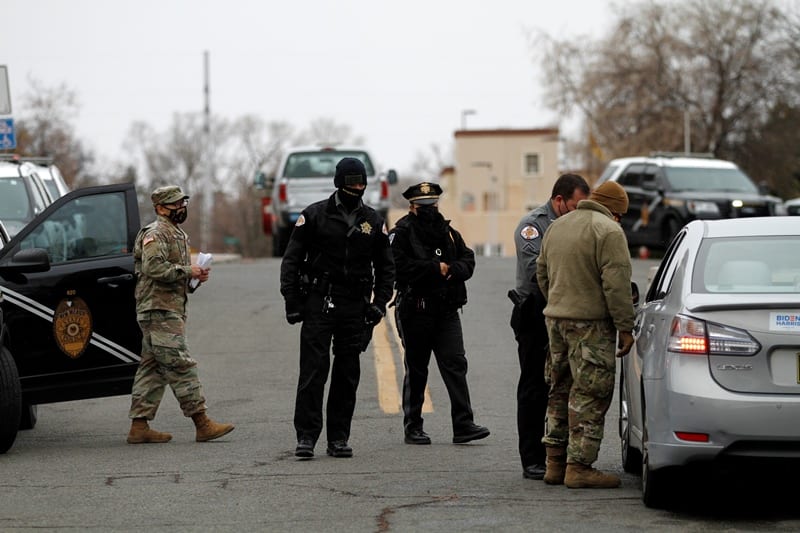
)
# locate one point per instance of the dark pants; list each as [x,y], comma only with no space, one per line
[441,333]
[344,325]
[530,331]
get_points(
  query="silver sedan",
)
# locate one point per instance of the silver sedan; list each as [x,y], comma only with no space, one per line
[715,369]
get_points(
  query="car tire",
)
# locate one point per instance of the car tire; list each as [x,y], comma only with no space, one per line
[10,400]
[28,416]
[280,241]
[631,457]
[656,484]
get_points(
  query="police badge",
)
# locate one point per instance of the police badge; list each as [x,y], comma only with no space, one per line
[72,326]
[366,228]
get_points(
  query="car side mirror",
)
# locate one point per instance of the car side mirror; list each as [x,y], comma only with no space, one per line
[391,177]
[25,261]
[634,293]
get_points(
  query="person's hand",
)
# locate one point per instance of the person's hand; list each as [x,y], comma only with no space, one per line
[200,273]
[373,314]
[444,268]
[294,311]
[625,343]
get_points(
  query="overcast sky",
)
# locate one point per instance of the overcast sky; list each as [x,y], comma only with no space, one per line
[399,73]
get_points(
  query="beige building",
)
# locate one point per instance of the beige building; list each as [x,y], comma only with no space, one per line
[498,176]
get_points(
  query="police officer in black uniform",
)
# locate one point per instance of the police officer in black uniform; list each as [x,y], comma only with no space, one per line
[433,262]
[527,321]
[337,257]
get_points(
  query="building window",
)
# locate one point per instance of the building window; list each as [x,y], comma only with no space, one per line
[467,202]
[531,164]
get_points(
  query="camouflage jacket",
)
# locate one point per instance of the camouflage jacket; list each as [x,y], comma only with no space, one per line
[163,267]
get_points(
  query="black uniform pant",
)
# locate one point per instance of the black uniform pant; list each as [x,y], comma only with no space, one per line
[527,321]
[440,333]
[344,326]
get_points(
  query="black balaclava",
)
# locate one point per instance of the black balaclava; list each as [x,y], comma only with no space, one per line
[350,171]
[431,225]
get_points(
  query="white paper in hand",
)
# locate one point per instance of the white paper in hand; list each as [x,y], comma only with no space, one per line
[204,260]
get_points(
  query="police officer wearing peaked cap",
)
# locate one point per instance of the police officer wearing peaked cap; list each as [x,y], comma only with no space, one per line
[433,262]
[328,284]
[163,270]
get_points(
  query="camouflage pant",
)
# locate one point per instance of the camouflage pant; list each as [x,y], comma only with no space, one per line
[582,373]
[165,361]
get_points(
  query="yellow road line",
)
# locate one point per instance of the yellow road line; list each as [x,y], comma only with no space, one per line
[384,343]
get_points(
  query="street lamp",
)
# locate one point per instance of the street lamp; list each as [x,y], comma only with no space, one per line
[464,114]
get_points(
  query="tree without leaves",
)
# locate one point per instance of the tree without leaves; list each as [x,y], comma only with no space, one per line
[726,62]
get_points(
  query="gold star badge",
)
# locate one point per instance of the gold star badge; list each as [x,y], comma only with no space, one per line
[366,228]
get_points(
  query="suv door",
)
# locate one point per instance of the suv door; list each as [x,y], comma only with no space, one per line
[72,327]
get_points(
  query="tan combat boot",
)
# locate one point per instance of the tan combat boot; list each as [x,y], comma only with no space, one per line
[207,429]
[140,433]
[556,464]
[585,477]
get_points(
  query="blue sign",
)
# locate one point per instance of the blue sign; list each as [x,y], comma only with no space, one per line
[7,139]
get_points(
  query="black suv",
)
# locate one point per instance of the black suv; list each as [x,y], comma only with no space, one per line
[668,190]
[68,328]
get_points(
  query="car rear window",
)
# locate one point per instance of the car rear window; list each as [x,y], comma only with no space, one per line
[321,164]
[709,179]
[14,204]
[748,265]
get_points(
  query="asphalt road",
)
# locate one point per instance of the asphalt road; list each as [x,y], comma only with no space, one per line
[74,471]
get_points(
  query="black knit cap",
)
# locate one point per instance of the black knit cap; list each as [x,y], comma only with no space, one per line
[350,171]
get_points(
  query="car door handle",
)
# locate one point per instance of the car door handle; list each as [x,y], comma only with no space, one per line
[114,281]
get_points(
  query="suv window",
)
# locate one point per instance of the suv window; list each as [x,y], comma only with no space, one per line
[321,164]
[86,227]
[632,176]
[14,199]
[709,179]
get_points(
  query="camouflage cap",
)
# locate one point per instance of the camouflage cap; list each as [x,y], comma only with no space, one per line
[167,195]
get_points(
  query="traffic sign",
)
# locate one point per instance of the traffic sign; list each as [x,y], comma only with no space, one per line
[7,139]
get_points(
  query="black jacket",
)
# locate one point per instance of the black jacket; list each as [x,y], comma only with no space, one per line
[417,264]
[323,244]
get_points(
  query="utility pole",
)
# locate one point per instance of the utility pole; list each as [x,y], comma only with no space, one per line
[205,223]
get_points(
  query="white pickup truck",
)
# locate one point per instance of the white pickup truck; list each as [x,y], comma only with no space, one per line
[305,176]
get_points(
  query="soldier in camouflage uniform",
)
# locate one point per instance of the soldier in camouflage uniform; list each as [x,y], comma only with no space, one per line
[584,272]
[163,269]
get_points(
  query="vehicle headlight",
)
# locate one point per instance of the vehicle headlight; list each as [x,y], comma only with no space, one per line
[702,208]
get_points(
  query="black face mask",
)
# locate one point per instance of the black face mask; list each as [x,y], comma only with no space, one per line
[350,197]
[429,214]
[178,215]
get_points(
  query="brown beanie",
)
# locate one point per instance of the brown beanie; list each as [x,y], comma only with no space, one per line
[611,195]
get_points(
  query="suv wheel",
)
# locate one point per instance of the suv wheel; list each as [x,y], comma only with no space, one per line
[10,400]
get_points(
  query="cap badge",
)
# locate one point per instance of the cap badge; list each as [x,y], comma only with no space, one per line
[425,188]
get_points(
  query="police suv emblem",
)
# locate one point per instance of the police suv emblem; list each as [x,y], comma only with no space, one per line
[529,232]
[72,326]
[366,228]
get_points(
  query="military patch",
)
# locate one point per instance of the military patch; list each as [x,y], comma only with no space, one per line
[529,233]
[300,221]
[72,326]
[366,227]
[147,240]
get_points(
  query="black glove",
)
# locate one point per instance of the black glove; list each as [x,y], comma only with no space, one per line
[373,314]
[294,311]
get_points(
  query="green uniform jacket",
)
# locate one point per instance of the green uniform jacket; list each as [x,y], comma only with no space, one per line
[163,267]
[584,268]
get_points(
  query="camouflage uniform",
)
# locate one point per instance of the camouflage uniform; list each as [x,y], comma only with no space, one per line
[163,269]
[587,346]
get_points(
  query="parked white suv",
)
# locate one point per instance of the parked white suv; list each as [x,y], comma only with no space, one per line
[304,176]
[23,194]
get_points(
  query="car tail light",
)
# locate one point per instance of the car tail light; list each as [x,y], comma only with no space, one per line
[384,190]
[693,336]
[283,197]
[692,437]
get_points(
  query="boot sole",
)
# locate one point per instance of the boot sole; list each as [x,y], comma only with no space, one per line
[148,441]
[463,439]
[218,435]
